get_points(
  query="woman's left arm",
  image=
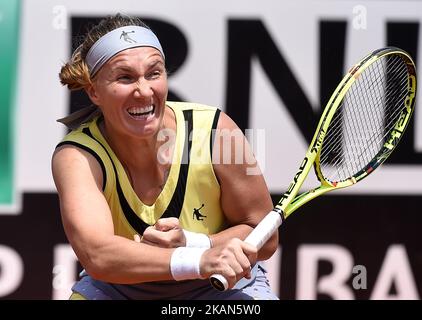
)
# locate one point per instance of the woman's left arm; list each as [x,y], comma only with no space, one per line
[245,198]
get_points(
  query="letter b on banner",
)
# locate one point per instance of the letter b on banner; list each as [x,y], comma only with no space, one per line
[333,284]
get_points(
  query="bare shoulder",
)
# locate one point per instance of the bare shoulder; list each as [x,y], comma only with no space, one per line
[231,149]
[70,162]
[68,157]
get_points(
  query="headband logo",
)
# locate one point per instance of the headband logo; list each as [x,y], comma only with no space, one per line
[126,36]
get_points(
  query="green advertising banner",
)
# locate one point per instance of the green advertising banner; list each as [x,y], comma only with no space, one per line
[9,39]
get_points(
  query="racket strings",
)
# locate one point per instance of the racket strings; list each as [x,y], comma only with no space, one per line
[354,146]
[366,154]
[364,119]
[337,129]
[338,117]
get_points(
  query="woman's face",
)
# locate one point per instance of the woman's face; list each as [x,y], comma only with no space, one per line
[131,90]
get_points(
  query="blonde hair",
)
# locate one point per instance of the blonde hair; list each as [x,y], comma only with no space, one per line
[75,73]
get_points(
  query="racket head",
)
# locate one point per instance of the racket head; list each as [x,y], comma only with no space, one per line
[368,117]
[360,126]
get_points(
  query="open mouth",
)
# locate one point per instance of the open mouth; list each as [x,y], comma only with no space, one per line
[141,113]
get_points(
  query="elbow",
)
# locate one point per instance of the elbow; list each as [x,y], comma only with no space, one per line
[95,266]
[95,272]
[97,256]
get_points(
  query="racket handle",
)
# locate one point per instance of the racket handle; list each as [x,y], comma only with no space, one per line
[219,282]
[258,237]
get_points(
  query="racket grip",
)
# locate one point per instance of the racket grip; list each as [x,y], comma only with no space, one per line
[219,282]
[258,237]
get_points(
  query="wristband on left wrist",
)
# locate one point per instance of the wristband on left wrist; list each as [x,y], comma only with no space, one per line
[197,240]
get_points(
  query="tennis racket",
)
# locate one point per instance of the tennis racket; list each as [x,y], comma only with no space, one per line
[360,127]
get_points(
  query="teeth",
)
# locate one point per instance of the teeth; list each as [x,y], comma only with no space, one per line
[140,110]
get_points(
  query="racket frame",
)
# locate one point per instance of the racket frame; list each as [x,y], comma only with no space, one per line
[289,202]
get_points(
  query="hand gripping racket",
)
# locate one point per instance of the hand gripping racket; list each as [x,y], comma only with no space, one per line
[360,127]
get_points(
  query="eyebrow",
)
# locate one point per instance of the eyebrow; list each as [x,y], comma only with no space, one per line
[155,62]
[122,68]
[130,69]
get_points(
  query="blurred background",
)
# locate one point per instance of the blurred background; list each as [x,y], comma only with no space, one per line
[271,65]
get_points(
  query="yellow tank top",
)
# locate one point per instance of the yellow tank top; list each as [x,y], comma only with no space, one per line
[191,192]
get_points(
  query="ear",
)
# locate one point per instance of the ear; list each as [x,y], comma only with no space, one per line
[92,94]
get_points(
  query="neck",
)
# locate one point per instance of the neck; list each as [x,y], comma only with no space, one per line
[147,161]
[132,152]
[139,153]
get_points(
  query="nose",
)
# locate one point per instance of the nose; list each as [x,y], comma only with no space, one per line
[142,90]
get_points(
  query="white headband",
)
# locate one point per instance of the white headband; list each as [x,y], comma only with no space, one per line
[118,40]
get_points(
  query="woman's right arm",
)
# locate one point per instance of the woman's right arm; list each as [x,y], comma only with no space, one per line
[89,228]
[107,257]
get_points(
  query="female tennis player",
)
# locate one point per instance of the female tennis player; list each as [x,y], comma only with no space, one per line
[136,166]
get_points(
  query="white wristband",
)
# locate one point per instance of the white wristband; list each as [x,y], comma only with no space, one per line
[197,240]
[184,263]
